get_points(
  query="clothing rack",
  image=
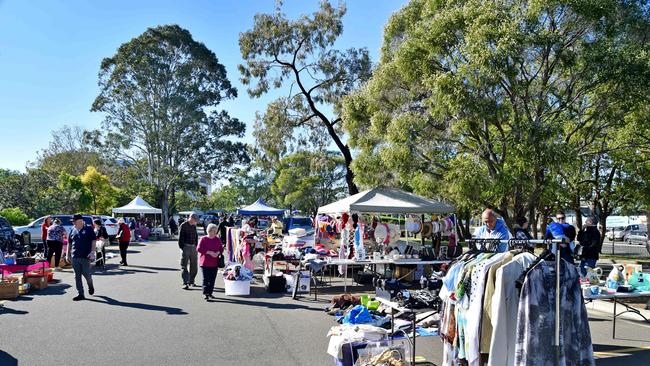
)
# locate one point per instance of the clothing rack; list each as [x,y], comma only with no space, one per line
[490,245]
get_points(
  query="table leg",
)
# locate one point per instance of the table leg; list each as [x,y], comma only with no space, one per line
[614,323]
[414,336]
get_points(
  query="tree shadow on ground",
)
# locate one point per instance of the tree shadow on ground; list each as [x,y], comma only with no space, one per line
[135,305]
[7,359]
[610,355]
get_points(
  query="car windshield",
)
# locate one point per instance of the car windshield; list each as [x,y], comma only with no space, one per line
[65,220]
[112,220]
[301,221]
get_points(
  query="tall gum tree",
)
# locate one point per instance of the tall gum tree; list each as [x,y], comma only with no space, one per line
[279,51]
[486,101]
[159,93]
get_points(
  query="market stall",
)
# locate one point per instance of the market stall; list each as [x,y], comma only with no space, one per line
[138,206]
[360,225]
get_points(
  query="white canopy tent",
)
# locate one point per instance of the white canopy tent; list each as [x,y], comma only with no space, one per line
[187,213]
[137,206]
[386,200]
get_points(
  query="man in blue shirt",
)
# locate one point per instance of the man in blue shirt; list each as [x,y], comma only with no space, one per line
[81,248]
[493,228]
[559,229]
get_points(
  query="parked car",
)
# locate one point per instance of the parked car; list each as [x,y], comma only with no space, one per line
[34,228]
[111,226]
[637,237]
[8,238]
[615,233]
[298,222]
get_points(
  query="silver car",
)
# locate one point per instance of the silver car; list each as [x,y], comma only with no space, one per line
[637,237]
[34,228]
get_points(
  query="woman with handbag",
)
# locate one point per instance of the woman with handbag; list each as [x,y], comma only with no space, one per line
[210,251]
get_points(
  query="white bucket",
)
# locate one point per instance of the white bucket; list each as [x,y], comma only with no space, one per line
[237,288]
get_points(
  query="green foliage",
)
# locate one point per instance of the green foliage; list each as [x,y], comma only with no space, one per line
[308,180]
[499,103]
[300,52]
[159,93]
[15,216]
[100,190]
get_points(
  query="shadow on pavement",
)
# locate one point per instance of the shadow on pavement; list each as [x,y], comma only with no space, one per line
[241,301]
[610,355]
[115,270]
[7,359]
[135,305]
[6,310]
[157,268]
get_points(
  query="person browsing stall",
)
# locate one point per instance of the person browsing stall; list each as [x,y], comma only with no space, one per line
[520,229]
[560,230]
[493,228]
[589,238]
[187,242]
[101,235]
[47,222]
[81,248]
[55,236]
[276,227]
[209,249]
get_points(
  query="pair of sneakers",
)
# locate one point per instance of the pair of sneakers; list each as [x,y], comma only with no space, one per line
[91,291]
[187,286]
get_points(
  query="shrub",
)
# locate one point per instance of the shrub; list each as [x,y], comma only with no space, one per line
[15,216]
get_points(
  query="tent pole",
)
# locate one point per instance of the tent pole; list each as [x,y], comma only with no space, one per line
[422,230]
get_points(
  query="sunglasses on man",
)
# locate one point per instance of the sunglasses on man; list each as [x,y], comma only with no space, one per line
[561,218]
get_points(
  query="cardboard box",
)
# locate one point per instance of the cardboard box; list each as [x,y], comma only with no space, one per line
[9,290]
[405,271]
[38,283]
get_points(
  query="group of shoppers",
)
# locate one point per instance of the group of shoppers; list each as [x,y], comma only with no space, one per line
[209,250]
[589,237]
[86,245]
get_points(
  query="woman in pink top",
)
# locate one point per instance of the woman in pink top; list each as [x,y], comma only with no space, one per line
[209,249]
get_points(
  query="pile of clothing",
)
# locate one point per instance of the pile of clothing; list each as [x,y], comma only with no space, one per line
[236,272]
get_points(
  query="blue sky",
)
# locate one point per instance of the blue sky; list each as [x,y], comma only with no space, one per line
[50,53]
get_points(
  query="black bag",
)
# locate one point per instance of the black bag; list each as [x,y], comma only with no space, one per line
[276,284]
[221,261]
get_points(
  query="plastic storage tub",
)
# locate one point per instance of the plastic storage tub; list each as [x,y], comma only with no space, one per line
[237,288]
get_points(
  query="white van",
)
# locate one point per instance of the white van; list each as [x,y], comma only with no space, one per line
[630,228]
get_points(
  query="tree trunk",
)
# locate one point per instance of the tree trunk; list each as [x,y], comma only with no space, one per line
[533,221]
[576,208]
[602,220]
[165,208]
[349,176]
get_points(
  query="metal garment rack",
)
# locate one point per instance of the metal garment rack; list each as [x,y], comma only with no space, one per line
[491,244]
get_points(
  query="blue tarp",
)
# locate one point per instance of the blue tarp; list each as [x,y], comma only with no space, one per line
[260,208]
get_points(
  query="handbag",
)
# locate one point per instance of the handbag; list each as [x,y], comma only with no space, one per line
[221,261]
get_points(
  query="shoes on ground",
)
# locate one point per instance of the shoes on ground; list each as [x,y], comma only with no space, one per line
[79,298]
[186,287]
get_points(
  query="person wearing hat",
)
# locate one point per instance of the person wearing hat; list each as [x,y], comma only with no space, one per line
[187,242]
[81,248]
